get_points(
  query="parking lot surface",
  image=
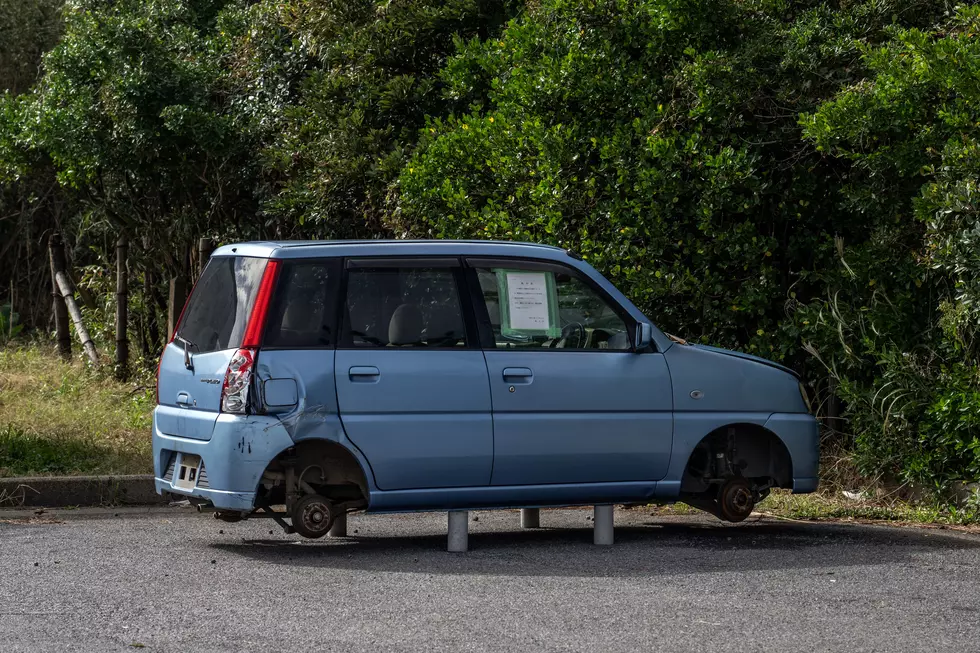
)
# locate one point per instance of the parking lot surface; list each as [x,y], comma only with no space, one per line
[172,580]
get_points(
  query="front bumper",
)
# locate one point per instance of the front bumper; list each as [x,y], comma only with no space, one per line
[232,461]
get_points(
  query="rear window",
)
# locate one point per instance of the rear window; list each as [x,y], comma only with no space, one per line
[218,309]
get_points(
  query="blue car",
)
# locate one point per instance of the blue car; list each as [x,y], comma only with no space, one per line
[392,376]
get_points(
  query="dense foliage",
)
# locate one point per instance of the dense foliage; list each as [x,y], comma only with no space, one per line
[901,327]
[794,178]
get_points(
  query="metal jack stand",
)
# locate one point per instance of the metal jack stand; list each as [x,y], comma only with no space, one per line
[530,518]
[603,525]
[339,526]
[458,530]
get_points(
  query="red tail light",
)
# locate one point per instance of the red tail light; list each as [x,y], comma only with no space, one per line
[238,378]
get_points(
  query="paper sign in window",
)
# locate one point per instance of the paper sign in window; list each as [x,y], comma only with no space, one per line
[530,303]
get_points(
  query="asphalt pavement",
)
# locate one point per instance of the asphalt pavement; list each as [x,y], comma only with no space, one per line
[166,579]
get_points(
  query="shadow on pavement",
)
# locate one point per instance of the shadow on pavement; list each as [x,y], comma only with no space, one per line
[656,548]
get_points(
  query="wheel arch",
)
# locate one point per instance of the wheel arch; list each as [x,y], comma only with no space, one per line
[338,465]
[762,451]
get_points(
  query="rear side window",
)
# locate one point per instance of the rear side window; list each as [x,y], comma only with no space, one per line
[404,307]
[304,309]
[217,311]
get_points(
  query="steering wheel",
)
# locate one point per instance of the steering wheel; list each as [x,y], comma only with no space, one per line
[566,331]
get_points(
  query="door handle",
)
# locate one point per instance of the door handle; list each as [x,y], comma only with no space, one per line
[364,374]
[518,375]
[183,399]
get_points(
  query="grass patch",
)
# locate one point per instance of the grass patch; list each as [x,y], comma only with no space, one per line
[827,506]
[833,506]
[60,418]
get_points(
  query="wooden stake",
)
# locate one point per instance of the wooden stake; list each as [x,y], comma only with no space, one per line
[178,295]
[76,316]
[204,249]
[122,309]
[10,322]
[56,249]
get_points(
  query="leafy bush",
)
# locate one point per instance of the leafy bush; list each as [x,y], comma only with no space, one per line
[904,343]
[659,139]
[9,324]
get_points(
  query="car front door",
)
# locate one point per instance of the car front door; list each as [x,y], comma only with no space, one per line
[572,401]
[411,382]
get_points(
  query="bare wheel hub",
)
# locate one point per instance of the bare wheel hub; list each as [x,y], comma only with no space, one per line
[735,500]
[313,515]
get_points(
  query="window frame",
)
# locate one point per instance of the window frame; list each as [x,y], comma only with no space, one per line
[332,297]
[345,339]
[482,314]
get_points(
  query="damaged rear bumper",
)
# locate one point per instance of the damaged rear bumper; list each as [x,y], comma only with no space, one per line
[232,461]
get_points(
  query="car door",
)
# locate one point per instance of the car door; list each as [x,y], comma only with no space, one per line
[572,401]
[411,381]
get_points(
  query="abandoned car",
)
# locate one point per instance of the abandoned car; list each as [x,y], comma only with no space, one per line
[389,376]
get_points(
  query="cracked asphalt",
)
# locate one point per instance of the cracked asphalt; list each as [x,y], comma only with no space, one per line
[172,580]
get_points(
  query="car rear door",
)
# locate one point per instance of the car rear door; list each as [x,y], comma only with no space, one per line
[411,379]
[210,331]
[572,402]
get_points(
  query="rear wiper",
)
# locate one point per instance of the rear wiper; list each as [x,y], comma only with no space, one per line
[188,363]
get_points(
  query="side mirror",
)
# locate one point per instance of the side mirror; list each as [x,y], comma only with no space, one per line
[643,337]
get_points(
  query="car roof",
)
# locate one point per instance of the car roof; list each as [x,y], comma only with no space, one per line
[329,248]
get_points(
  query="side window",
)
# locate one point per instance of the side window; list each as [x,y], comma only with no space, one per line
[403,307]
[548,309]
[304,312]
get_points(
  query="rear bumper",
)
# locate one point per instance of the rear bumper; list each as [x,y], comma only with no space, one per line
[234,459]
[801,435]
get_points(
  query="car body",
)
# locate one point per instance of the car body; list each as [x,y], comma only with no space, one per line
[446,375]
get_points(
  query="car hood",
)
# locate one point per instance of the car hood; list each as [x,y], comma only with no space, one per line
[748,357]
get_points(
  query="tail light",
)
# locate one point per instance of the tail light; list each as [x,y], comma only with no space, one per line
[238,378]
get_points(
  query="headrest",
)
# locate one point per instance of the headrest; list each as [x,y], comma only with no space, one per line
[405,327]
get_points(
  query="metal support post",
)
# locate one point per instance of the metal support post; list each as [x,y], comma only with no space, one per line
[339,526]
[603,525]
[530,518]
[458,530]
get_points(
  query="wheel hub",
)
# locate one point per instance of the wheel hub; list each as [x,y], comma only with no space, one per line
[312,516]
[735,500]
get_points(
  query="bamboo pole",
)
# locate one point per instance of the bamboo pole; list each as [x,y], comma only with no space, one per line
[122,309]
[76,316]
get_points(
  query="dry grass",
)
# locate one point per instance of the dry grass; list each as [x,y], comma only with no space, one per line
[828,505]
[60,418]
